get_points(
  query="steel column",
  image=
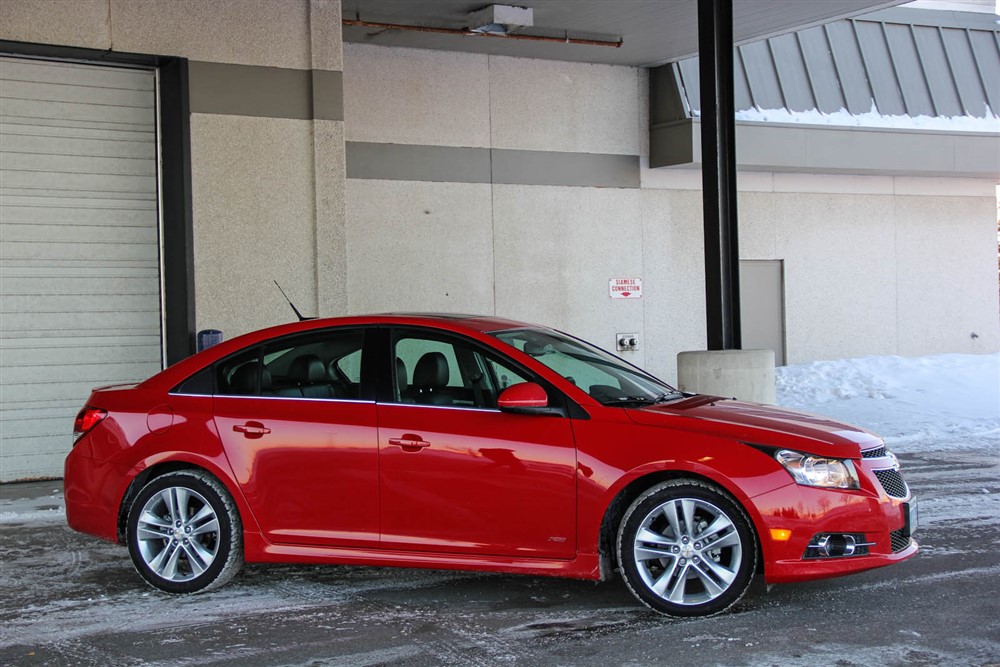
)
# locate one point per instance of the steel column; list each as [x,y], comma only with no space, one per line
[718,151]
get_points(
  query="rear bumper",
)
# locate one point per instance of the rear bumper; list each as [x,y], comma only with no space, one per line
[89,487]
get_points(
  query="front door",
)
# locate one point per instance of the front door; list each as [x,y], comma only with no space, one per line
[459,476]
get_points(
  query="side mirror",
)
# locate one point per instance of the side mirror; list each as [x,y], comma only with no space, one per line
[523,397]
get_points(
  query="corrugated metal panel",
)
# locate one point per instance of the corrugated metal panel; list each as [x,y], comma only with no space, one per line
[821,70]
[79,249]
[905,62]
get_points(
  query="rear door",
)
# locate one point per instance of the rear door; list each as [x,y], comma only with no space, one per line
[297,421]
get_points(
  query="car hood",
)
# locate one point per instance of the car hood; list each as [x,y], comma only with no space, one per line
[759,424]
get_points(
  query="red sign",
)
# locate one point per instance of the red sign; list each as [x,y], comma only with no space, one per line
[626,288]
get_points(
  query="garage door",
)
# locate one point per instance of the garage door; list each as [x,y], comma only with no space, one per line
[79,249]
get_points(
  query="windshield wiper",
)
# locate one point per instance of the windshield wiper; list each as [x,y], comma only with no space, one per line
[629,400]
[645,400]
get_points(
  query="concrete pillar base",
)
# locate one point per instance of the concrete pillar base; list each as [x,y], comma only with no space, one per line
[744,374]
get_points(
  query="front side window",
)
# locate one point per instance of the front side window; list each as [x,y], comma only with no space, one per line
[449,373]
[601,374]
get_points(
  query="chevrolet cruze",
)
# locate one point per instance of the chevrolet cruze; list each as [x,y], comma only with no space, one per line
[474,443]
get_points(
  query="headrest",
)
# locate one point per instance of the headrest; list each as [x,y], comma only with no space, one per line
[431,370]
[307,368]
[244,380]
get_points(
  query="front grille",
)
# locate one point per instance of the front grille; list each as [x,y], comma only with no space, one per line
[892,482]
[899,540]
[876,453]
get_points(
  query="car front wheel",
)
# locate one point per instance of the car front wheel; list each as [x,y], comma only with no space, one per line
[184,533]
[685,548]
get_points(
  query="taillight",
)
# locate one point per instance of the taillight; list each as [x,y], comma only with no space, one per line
[86,419]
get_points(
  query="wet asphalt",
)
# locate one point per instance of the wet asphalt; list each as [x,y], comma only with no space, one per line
[68,599]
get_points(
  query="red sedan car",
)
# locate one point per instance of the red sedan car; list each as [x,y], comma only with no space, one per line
[475,443]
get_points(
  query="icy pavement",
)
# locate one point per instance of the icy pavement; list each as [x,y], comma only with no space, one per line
[71,599]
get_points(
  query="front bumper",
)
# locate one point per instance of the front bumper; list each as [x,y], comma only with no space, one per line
[885,523]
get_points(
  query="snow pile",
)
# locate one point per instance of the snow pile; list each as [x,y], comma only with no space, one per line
[947,401]
[844,118]
[46,509]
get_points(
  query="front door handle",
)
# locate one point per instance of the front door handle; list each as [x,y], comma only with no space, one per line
[252,429]
[409,442]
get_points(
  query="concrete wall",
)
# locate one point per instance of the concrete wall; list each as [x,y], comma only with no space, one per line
[267,169]
[874,264]
[523,240]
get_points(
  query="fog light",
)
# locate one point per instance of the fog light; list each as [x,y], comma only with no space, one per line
[837,545]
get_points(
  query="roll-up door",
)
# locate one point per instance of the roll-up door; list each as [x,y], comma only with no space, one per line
[79,249]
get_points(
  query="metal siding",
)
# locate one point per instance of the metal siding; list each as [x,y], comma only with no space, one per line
[879,68]
[938,71]
[821,70]
[741,89]
[79,248]
[903,68]
[987,55]
[963,65]
[762,76]
[854,82]
[792,73]
[690,78]
[909,70]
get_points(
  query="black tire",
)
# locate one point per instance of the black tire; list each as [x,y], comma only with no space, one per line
[669,566]
[184,533]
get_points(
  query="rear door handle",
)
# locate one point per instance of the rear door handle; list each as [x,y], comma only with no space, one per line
[409,442]
[252,429]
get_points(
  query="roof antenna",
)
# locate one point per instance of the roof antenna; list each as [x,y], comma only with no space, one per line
[296,310]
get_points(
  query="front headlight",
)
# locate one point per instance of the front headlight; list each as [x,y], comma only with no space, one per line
[811,470]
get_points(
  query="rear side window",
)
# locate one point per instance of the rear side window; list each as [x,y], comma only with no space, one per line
[323,365]
[316,366]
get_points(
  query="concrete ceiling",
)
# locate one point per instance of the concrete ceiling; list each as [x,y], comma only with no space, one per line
[652,32]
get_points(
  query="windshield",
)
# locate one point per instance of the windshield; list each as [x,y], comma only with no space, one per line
[602,375]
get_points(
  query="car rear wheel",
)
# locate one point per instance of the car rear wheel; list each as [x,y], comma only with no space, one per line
[184,533]
[685,548]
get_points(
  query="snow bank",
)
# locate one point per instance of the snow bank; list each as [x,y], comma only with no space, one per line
[941,402]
